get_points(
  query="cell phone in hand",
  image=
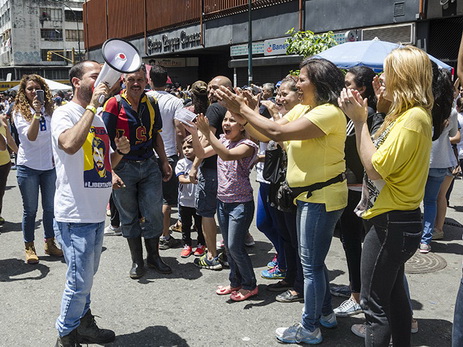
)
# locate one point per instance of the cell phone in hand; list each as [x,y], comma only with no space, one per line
[40,95]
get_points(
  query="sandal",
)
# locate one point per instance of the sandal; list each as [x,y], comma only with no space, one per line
[224,290]
[244,294]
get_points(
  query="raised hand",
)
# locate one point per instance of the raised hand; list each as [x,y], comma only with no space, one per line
[351,102]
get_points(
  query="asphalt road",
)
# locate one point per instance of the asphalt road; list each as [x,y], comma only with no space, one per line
[182,309]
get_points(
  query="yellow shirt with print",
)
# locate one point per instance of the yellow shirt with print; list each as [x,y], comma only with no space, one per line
[319,159]
[4,155]
[403,163]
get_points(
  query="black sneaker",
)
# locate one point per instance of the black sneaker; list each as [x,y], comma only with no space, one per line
[89,332]
[170,243]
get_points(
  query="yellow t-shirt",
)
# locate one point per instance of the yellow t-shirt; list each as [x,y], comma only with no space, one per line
[403,163]
[319,159]
[4,155]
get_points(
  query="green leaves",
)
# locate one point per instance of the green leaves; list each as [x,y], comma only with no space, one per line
[306,43]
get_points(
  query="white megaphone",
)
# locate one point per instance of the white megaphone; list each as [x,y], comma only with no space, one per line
[120,57]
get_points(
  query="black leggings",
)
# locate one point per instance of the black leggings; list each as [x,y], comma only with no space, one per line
[352,233]
[4,171]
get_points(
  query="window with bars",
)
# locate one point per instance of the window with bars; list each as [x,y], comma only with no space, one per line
[51,14]
[74,35]
[73,16]
[51,34]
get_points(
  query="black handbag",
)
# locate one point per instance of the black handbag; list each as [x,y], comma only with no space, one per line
[274,164]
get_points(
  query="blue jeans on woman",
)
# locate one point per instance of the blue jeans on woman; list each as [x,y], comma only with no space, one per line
[81,244]
[234,221]
[315,228]
[29,181]
[435,179]
[392,239]
[267,223]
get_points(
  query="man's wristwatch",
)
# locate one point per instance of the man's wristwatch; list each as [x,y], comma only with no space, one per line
[37,115]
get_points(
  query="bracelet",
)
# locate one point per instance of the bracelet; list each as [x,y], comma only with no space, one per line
[37,116]
[118,151]
[91,108]
[245,124]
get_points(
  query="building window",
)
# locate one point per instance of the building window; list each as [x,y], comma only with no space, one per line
[73,16]
[74,35]
[51,34]
[51,14]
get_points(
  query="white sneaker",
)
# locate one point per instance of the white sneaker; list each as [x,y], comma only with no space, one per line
[359,330]
[437,234]
[298,334]
[111,231]
[348,308]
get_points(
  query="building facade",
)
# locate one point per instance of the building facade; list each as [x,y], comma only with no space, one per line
[37,34]
[197,39]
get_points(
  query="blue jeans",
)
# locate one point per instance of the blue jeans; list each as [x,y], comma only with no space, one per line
[392,239]
[29,181]
[81,244]
[315,228]
[435,179]
[457,331]
[267,223]
[234,220]
[142,195]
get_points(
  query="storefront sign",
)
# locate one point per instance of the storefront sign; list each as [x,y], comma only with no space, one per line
[275,46]
[237,50]
[167,43]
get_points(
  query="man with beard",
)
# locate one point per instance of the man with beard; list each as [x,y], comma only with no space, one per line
[79,207]
[136,115]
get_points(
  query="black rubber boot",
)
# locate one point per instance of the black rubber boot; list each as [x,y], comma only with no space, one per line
[89,332]
[153,259]
[136,251]
[69,340]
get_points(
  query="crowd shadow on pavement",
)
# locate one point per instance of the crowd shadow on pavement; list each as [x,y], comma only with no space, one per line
[17,270]
[433,332]
[10,227]
[154,336]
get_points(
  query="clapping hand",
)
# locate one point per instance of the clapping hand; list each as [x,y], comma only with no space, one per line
[351,102]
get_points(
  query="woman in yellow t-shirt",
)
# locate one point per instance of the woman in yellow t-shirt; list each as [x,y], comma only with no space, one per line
[314,133]
[396,163]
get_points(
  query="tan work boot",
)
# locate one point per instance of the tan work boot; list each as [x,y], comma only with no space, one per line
[51,248]
[31,255]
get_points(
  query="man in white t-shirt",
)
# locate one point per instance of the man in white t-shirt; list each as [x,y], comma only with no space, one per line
[80,200]
[172,134]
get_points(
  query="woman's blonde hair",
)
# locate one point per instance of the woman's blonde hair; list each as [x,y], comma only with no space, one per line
[22,105]
[408,75]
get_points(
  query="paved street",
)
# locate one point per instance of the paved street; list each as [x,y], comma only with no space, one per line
[182,309]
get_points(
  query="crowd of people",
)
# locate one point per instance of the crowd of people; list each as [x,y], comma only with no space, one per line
[355,151]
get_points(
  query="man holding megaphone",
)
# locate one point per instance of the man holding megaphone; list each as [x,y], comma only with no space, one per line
[136,115]
[78,134]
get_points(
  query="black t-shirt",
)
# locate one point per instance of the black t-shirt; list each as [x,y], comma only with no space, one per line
[215,114]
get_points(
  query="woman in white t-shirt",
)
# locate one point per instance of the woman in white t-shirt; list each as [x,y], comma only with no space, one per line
[35,166]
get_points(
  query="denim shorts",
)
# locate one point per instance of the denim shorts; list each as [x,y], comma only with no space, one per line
[170,188]
[206,193]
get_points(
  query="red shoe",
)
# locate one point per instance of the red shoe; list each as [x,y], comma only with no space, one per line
[243,294]
[186,251]
[224,290]
[200,249]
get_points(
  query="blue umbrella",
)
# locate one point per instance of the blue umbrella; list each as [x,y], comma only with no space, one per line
[368,53]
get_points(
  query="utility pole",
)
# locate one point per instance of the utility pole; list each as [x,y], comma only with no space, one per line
[249,43]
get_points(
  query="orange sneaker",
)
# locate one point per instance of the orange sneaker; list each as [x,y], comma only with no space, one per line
[200,249]
[186,251]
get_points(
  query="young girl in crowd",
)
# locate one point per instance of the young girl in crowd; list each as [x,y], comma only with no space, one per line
[186,201]
[35,165]
[235,204]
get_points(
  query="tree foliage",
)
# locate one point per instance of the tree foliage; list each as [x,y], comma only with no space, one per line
[306,43]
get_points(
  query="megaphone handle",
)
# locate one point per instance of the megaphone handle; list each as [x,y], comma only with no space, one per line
[101,99]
